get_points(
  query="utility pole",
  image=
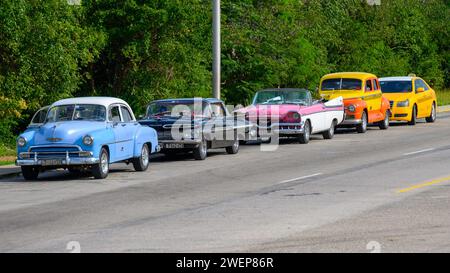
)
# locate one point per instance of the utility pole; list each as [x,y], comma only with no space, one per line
[216,48]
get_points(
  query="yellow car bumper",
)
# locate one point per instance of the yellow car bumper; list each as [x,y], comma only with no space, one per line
[401,113]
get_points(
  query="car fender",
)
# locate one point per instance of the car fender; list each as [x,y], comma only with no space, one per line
[385,105]
[29,137]
[359,104]
[145,134]
[101,138]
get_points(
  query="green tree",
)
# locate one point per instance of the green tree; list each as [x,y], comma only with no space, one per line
[42,47]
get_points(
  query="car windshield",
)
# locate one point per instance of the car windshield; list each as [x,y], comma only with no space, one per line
[90,112]
[341,84]
[396,86]
[176,109]
[301,97]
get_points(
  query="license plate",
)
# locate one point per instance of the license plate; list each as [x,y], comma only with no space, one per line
[51,162]
[173,146]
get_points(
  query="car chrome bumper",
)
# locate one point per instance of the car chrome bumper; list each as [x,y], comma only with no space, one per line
[63,162]
[63,158]
[281,129]
[351,122]
[183,141]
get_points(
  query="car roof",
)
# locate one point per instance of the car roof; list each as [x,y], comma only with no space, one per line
[357,75]
[391,79]
[208,100]
[105,101]
[284,89]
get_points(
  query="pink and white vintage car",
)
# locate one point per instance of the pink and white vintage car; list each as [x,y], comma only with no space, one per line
[293,113]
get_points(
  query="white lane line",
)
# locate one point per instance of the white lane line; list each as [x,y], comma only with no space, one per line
[299,178]
[419,152]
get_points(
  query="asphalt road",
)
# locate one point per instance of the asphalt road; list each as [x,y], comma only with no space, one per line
[385,190]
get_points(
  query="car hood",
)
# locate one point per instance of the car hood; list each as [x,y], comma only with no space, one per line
[268,110]
[158,122]
[68,132]
[397,96]
[345,94]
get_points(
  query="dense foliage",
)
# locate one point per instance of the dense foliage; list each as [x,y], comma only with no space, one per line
[141,50]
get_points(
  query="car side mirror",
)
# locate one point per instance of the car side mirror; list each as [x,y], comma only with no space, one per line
[420,90]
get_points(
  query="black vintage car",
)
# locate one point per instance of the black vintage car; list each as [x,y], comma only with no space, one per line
[196,125]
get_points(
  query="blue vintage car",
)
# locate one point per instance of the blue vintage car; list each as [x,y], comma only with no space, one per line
[85,134]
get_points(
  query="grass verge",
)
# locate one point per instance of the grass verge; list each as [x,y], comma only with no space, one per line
[443,97]
[7,155]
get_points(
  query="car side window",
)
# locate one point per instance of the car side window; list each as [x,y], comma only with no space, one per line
[375,84]
[40,116]
[369,86]
[217,109]
[419,83]
[126,115]
[114,114]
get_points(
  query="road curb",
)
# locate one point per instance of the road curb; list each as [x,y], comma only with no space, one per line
[9,171]
[443,109]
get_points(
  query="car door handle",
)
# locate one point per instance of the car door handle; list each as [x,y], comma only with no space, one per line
[123,125]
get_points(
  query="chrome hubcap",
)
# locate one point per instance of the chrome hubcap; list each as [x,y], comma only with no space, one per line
[203,148]
[433,113]
[144,155]
[307,129]
[236,144]
[364,121]
[104,163]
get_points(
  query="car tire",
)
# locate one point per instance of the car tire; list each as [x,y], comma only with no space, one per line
[432,117]
[201,152]
[384,124]
[305,137]
[234,149]
[413,116]
[142,162]
[101,170]
[362,128]
[330,133]
[30,173]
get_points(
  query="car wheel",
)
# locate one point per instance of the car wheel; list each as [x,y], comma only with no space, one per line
[142,162]
[30,173]
[201,152]
[234,149]
[432,117]
[305,137]
[362,128]
[101,170]
[330,133]
[384,125]
[413,117]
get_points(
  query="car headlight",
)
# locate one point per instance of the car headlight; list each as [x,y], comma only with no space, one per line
[21,141]
[352,108]
[403,103]
[88,140]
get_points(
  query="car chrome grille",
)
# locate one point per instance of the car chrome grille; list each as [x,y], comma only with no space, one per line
[57,152]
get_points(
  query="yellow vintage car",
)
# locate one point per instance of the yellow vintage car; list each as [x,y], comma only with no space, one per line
[363,100]
[411,98]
